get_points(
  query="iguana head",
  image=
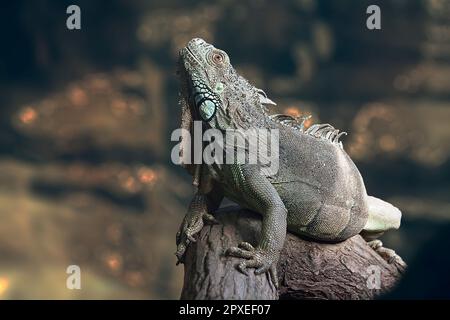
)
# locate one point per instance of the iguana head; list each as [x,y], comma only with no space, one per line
[213,92]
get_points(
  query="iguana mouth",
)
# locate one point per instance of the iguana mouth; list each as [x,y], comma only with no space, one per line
[191,55]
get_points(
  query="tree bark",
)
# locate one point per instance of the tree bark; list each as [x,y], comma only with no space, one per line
[306,269]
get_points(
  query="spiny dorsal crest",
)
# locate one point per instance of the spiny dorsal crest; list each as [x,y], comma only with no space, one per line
[323,131]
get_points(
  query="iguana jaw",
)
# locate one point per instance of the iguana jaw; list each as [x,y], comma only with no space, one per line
[186,101]
[191,65]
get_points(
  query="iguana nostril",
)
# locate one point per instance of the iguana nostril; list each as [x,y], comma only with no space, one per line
[197,41]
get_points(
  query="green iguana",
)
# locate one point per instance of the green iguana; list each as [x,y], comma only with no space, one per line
[317,192]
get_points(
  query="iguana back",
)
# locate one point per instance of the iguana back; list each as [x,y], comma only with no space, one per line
[320,186]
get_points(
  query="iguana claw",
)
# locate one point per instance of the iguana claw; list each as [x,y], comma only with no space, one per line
[192,224]
[210,218]
[388,255]
[258,259]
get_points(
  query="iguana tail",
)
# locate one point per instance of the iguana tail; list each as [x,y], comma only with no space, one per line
[383,216]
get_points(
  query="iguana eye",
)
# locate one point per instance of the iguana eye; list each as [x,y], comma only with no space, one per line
[218,58]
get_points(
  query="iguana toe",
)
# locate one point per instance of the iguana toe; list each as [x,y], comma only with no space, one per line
[239,253]
[244,265]
[209,218]
[389,255]
[274,275]
[258,259]
[243,250]
[246,246]
[181,249]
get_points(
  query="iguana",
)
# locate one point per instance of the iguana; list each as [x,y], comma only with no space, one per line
[317,192]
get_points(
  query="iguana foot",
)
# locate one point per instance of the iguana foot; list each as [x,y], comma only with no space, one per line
[388,254]
[192,224]
[261,260]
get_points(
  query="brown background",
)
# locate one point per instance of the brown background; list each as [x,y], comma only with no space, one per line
[86,117]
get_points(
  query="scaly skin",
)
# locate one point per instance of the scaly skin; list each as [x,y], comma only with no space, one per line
[317,192]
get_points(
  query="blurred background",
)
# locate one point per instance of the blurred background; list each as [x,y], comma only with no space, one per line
[86,117]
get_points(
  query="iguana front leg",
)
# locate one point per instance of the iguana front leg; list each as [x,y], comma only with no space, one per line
[207,199]
[261,196]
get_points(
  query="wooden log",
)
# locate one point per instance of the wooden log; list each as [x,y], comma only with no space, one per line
[306,270]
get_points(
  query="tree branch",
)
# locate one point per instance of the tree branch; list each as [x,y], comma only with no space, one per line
[306,270]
